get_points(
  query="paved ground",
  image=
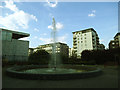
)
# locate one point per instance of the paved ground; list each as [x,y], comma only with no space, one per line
[109,79]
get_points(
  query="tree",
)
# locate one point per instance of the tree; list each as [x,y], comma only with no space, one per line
[39,57]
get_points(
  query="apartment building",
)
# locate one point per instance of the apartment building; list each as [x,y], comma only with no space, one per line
[85,40]
[61,48]
[116,42]
[14,49]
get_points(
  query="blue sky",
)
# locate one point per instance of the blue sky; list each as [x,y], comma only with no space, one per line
[35,18]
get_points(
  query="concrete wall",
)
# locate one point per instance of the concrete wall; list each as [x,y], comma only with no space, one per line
[15,49]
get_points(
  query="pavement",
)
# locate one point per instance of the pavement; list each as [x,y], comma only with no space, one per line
[109,79]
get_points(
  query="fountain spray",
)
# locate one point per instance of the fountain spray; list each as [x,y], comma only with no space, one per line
[54,42]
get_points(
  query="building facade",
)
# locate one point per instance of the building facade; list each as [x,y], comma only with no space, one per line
[61,48]
[12,48]
[85,40]
[101,47]
[31,51]
[116,42]
[70,52]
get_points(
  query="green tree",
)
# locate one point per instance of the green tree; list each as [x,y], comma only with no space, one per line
[39,57]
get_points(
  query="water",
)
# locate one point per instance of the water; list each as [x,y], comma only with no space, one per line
[53,71]
[53,62]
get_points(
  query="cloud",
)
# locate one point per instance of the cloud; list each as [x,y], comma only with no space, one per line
[10,5]
[44,34]
[17,19]
[61,39]
[52,4]
[35,29]
[25,38]
[35,37]
[50,27]
[58,26]
[102,40]
[1,6]
[45,40]
[92,14]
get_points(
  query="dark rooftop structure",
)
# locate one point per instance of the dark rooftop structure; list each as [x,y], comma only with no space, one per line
[85,30]
[15,34]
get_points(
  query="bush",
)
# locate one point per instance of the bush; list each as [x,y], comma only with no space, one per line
[39,57]
[101,56]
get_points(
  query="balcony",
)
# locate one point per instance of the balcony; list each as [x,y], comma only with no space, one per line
[97,38]
[74,47]
[74,37]
[75,51]
[74,43]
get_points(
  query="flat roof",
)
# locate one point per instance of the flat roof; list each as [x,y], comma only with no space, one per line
[85,30]
[117,34]
[53,43]
[16,34]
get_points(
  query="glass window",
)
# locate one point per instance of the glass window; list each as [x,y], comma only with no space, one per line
[113,43]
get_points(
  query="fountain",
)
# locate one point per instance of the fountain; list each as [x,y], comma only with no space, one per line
[52,71]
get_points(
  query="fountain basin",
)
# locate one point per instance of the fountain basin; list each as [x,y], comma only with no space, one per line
[43,72]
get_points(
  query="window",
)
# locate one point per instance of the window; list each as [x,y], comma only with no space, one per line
[113,43]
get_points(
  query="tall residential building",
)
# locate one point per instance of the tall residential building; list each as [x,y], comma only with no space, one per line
[85,40]
[12,48]
[116,42]
[61,48]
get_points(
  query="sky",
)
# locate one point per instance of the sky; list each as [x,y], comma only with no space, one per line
[35,18]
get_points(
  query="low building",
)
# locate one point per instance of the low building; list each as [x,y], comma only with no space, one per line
[116,42]
[70,52]
[31,51]
[12,48]
[61,48]
[101,47]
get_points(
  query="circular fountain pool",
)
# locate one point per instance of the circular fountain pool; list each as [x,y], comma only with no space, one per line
[42,72]
[52,71]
